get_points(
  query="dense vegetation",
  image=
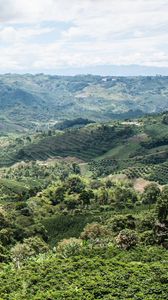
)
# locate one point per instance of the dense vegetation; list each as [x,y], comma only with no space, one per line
[39,101]
[68,236]
[137,148]
[84,205]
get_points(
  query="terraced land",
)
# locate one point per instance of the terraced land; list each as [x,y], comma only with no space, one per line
[86,143]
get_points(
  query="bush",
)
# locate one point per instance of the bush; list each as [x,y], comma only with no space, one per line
[147,237]
[150,194]
[120,222]
[69,247]
[162,205]
[3,254]
[94,232]
[30,247]
[126,239]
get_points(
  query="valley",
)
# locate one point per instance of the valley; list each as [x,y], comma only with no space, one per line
[83,200]
[33,102]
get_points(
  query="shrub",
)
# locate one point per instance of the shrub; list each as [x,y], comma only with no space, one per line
[94,232]
[3,254]
[30,247]
[150,194]
[69,247]
[126,239]
[120,222]
[147,237]
[3,218]
[162,205]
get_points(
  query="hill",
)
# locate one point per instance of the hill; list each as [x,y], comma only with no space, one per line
[77,221]
[136,148]
[39,101]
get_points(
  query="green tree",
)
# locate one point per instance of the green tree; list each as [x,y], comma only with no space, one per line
[150,194]
[162,205]
[71,202]
[30,247]
[4,256]
[102,196]
[85,196]
[120,222]
[74,184]
[75,168]
[58,195]
[3,218]
[69,247]
[95,232]
[122,196]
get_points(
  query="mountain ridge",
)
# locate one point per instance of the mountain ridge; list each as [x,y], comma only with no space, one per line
[32,101]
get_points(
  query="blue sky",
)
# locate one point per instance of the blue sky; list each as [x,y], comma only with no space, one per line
[78,36]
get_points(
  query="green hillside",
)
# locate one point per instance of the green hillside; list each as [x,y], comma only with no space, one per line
[74,224]
[38,101]
[137,148]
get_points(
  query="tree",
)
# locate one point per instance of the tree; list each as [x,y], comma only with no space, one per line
[85,196]
[102,196]
[162,205]
[76,168]
[3,254]
[120,222]
[18,253]
[165,119]
[71,202]
[126,239]
[30,247]
[69,247]
[6,236]
[3,218]
[74,184]
[123,196]
[94,232]
[58,195]
[150,194]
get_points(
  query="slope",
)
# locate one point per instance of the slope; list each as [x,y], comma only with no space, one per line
[35,101]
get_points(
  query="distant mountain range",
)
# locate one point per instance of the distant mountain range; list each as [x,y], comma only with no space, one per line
[114,70]
[31,101]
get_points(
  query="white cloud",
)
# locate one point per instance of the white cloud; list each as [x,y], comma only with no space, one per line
[82,33]
[10,35]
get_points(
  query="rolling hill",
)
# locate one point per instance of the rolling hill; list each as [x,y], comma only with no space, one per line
[33,101]
[137,148]
[83,203]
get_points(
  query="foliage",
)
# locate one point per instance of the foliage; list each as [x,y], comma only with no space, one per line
[69,247]
[65,229]
[126,239]
[28,101]
[162,205]
[150,194]
[94,232]
[96,277]
[30,247]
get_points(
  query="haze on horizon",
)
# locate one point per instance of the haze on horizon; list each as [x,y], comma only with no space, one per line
[126,37]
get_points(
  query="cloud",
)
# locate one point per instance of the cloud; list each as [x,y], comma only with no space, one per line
[29,11]
[10,35]
[40,35]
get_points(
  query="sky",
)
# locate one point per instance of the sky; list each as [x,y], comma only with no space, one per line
[84,36]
